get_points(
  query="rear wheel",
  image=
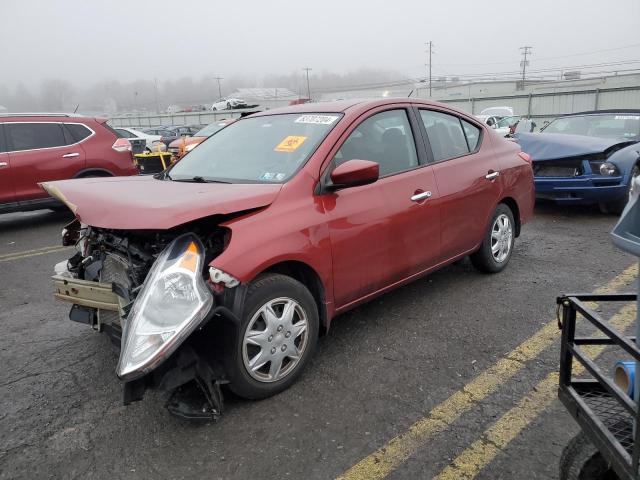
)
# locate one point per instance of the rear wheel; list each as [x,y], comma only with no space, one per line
[581,460]
[497,246]
[276,338]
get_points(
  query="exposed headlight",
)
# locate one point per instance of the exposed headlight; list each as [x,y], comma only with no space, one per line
[172,303]
[608,169]
[190,147]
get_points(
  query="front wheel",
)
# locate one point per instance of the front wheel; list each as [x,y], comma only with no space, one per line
[496,248]
[276,338]
[617,206]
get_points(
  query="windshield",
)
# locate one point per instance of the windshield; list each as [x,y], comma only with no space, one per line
[210,129]
[602,125]
[508,121]
[265,149]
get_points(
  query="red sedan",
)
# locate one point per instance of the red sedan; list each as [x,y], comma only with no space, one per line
[229,265]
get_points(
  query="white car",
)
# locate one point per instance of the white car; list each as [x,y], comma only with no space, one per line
[154,142]
[228,104]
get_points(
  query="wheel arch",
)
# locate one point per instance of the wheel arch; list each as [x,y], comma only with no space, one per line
[306,275]
[513,206]
[98,172]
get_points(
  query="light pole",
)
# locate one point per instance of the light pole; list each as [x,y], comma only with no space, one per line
[307,69]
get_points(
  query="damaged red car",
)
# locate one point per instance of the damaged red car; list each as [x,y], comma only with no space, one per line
[226,268]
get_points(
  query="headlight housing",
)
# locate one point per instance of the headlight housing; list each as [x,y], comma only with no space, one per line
[608,169]
[190,147]
[172,303]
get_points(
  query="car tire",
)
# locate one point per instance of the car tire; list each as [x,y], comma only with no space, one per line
[581,460]
[228,106]
[497,246]
[273,335]
[616,207]
[213,109]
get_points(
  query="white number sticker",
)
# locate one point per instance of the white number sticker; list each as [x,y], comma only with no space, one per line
[317,119]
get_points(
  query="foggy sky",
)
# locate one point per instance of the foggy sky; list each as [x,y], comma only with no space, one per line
[86,41]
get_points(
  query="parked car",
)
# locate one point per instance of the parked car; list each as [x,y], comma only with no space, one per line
[228,104]
[181,146]
[505,126]
[169,133]
[586,158]
[153,143]
[41,147]
[492,115]
[227,266]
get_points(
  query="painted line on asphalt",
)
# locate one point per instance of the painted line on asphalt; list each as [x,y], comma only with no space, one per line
[387,458]
[497,437]
[31,253]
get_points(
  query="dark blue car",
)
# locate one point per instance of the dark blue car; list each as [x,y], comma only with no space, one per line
[586,158]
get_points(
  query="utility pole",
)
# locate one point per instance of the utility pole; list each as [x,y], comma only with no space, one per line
[219,89]
[430,52]
[155,90]
[308,89]
[524,63]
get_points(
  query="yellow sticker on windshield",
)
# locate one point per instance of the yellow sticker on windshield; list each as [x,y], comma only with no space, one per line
[290,144]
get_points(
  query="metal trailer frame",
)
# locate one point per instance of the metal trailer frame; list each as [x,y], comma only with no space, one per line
[606,414]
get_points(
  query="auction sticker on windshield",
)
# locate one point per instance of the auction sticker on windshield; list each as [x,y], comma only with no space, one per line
[317,119]
[290,143]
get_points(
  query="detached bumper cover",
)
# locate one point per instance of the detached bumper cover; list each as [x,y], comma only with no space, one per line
[580,190]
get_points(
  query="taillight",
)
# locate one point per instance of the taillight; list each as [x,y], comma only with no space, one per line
[122,145]
[525,156]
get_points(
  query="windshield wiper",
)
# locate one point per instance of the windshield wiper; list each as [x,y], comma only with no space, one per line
[197,179]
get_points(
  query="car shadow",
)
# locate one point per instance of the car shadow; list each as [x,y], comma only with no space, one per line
[549,207]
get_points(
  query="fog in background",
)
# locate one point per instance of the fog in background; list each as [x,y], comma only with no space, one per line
[116,55]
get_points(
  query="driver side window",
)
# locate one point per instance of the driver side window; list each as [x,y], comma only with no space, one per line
[385,138]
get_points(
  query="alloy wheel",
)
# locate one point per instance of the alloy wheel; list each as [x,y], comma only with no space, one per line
[501,238]
[275,340]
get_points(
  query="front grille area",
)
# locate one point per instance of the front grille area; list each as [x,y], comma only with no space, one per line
[114,270]
[558,168]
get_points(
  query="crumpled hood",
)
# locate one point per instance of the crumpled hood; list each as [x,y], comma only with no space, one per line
[145,203]
[552,146]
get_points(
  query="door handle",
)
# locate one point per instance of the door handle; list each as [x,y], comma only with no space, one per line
[420,196]
[3,164]
[492,175]
[69,155]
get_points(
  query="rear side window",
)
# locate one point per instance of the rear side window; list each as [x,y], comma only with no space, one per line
[472,133]
[446,136]
[3,147]
[78,132]
[29,136]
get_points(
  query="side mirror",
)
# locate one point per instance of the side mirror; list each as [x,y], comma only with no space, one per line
[353,173]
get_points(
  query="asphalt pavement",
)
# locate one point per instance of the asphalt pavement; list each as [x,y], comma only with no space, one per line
[401,388]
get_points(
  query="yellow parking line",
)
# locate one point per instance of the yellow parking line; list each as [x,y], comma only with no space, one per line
[388,457]
[470,462]
[31,253]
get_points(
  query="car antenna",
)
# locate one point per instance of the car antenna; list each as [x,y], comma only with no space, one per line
[76,109]
[410,93]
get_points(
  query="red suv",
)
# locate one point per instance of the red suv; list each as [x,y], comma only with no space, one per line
[227,266]
[41,147]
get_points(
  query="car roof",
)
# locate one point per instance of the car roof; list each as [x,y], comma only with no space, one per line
[635,111]
[52,117]
[342,106]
